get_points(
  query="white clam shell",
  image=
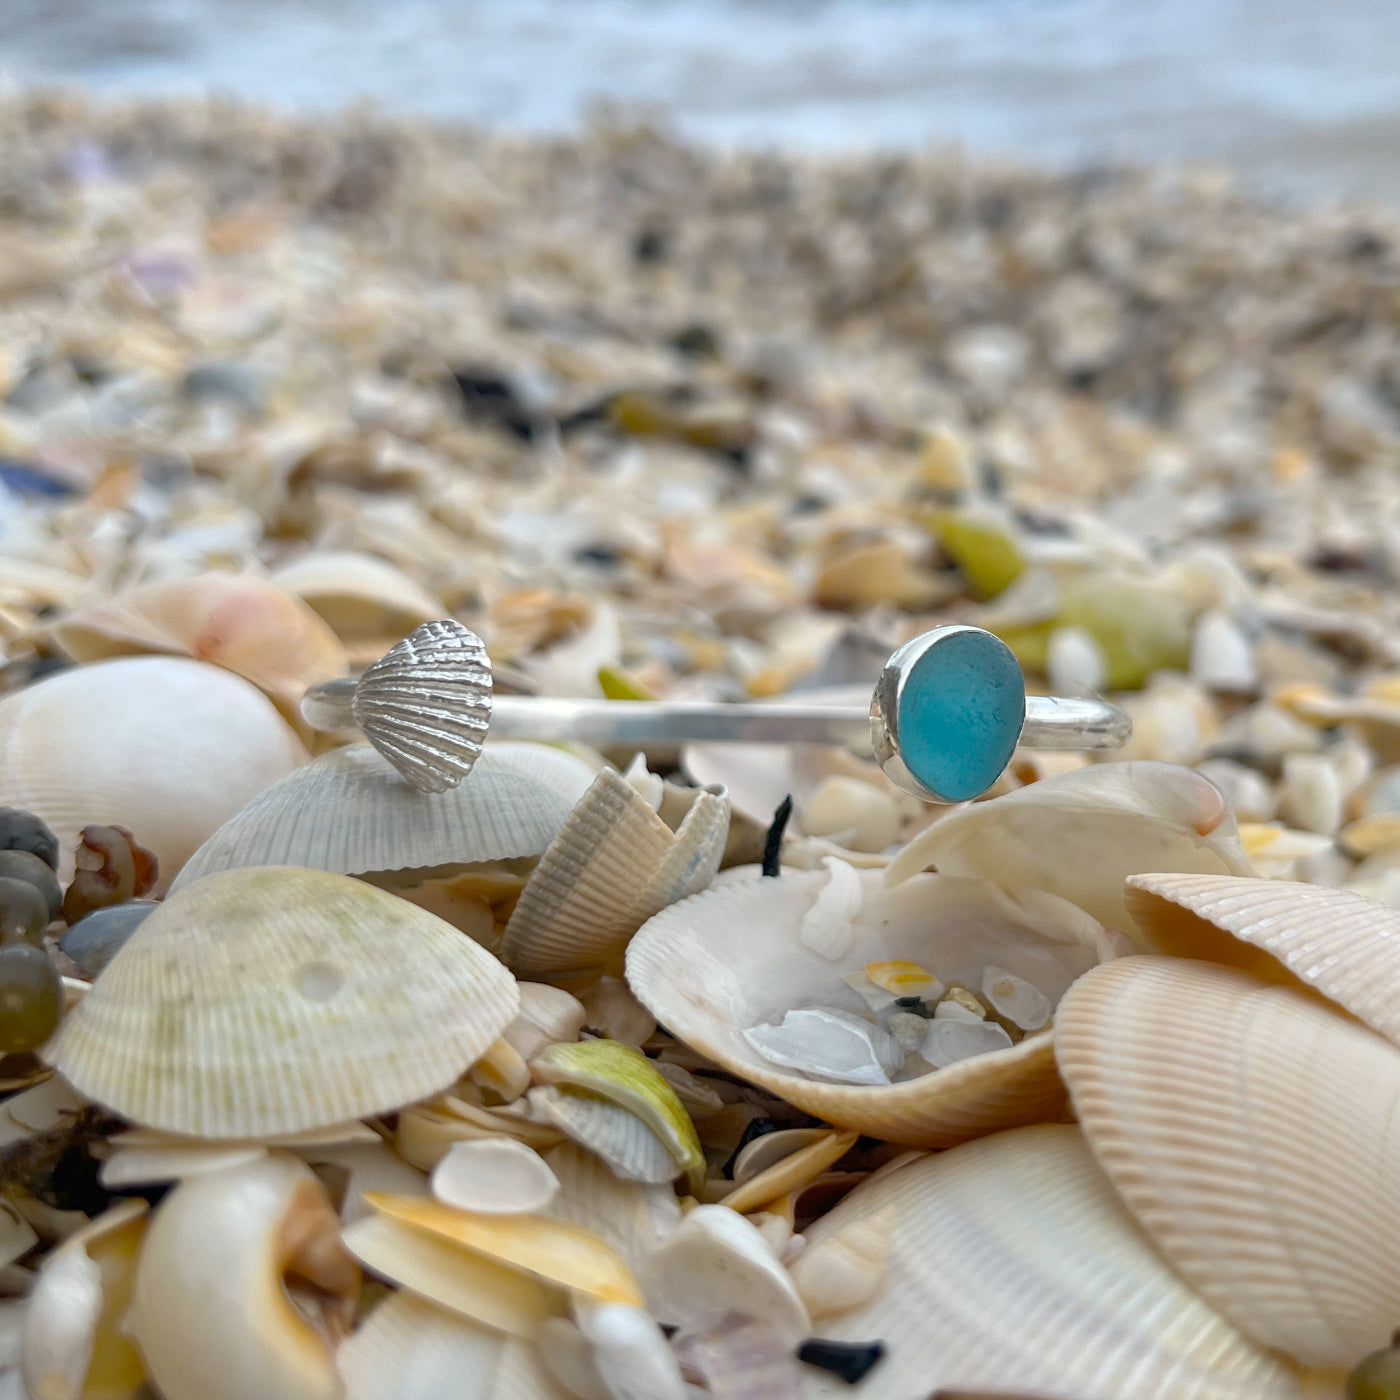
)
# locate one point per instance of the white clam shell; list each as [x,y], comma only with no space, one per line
[1081,834]
[632,1216]
[426,704]
[494,1177]
[379,1004]
[613,865]
[702,972]
[568,774]
[633,1358]
[409,1349]
[1255,1134]
[350,813]
[212,1267]
[166,747]
[1015,1267]
[618,1136]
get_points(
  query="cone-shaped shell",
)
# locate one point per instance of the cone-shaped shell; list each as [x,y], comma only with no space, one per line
[1341,944]
[350,813]
[1081,834]
[613,865]
[238,621]
[358,595]
[1255,1134]
[426,704]
[166,747]
[1014,1266]
[704,972]
[273,1000]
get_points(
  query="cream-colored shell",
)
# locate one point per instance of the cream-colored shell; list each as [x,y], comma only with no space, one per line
[1081,834]
[1014,1266]
[277,999]
[1341,944]
[1255,1134]
[238,621]
[733,957]
[350,813]
[618,1136]
[166,747]
[612,866]
[358,595]
[409,1349]
[568,774]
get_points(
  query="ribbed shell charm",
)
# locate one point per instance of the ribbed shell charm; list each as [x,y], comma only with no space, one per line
[426,704]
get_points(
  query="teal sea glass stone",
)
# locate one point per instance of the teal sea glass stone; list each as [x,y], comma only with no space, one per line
[961,709]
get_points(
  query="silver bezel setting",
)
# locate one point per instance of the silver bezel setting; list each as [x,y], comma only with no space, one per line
[885,702]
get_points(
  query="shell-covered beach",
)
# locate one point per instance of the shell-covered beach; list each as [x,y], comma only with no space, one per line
[608,1073]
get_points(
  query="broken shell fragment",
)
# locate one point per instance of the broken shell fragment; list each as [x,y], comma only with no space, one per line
[249,1261]
[499,1177]
[843,1269]
[614,1133]
[632,1216]
[834,1045]
[381,1003]
[786,1175]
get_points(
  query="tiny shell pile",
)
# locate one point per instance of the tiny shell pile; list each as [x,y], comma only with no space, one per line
[315,1086]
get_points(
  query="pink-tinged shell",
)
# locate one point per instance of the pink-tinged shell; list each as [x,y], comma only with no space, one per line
[1254,1132]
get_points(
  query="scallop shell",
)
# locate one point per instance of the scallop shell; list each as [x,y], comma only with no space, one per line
[358,596]
[408,1349]
[618,1136]
[703,974]
[1014,1266]
[238,621]
[1255,1134]
[350,813]
[568,774]
[1081,834]
[632,1216]
[426,704]
[1341,944]
[612,866]
[166,747]
[374,1002]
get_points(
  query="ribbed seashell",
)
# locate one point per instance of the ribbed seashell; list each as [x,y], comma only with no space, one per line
[359,596]
[238,621]
[1080,834]
[409,1349]
[74,1344]
[350,813]
[1339,943]
[612,866]
[216,1265]
[168,748]
[1253,1133]
[377,1004]
[466,1284]
[703,974]
[618,1136]
[568,774]
[632,1216]
[426,704]
[1014,1266]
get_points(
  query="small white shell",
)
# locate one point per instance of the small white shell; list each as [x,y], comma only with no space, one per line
[620,1138]
[408,1349]
[499,1177]
[426,704]
[1221,656]
[547,1015]
[612,866]
[632,1216]
[350,813]
[631,1354]
[715,1263]
[852,813]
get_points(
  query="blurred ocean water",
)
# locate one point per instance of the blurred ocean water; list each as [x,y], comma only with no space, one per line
[1300,98]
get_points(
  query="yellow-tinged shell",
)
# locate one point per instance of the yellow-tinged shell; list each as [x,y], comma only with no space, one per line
[359,596]
[1014,1266]
[1341,944]
[788,1174]
[545,1247]
[218,1260]
[279,999]
[704,974]
[166,747]
[618,1136]
[1255,1134]
[613,865]
[350,813]
[238,621]
[1081,834]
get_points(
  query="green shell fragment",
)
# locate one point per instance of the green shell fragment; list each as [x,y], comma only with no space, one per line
[982,545]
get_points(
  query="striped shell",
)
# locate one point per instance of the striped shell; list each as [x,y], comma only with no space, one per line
[613,865]
[1255,1134]
[426,704]
[350,813]
[1014,1266]
[274,1000]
